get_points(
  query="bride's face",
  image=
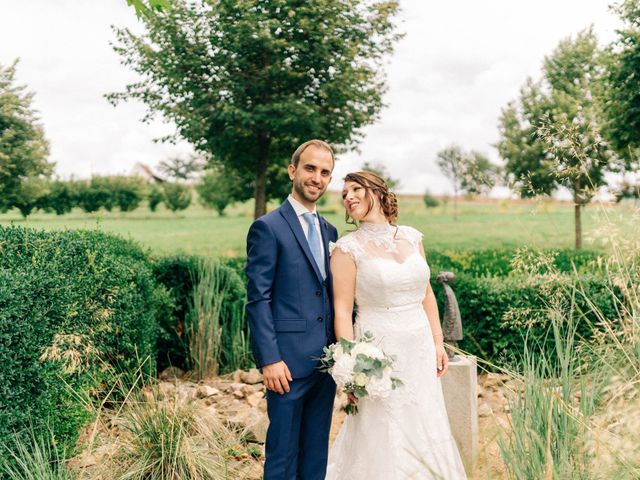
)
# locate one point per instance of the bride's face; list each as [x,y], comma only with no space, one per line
[356,201]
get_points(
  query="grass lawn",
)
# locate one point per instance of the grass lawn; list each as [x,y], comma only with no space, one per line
[480,224]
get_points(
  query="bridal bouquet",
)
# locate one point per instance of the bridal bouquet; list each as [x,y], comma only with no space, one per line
[360,368]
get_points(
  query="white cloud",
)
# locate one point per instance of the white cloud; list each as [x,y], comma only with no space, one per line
[457,66]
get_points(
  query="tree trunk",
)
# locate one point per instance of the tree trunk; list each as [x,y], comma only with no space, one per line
[261,177]
[578,224]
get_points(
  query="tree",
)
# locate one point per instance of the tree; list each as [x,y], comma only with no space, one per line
[479,174]
[155,197]
[381,171]
[218,189]
[552,137]
[61,198]
[247,81]
[31,195]
[23,147]
[452,162]
[176,196]
[128,192]
[179,168]
[622,83]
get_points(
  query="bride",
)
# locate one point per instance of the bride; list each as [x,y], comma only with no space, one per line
[381,268]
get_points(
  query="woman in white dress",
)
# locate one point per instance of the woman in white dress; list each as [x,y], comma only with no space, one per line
[381,268]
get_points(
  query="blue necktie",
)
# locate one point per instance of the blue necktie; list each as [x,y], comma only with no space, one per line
[314,241]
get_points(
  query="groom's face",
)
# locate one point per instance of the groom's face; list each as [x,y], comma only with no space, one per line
[313,174]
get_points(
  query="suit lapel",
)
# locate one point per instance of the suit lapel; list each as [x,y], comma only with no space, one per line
[324,228]
[289,214]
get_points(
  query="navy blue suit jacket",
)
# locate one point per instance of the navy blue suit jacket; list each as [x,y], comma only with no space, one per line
[289,305]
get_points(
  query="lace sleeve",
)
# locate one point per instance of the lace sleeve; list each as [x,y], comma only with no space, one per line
[411,234]
[349,245]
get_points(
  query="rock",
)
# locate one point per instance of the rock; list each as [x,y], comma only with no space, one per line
[171,373]
[515,385]
[205,391]
[238,394]
[251,389]
[255,398]
[166,390]
[480,391]
[484,410]
[251,377]
[236,376]
[253,421]
[493,380]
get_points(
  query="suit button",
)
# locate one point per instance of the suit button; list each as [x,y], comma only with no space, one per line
[318,293]
[319,319]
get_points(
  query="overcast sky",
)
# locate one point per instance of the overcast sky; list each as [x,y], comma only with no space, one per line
[460,62]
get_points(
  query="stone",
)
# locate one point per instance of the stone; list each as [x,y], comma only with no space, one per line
[205,391]
[238,394]
[171,373]
[460,390]
[251,377]
[253,421]
[251,389]
[493,380]
[255,398]
[484,410]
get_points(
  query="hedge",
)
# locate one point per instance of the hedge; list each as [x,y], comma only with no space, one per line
[499,313]
[72,305]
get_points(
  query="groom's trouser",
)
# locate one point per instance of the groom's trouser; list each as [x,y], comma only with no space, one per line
[299,423]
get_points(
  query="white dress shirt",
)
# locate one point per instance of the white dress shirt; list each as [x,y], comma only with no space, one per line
[300,209]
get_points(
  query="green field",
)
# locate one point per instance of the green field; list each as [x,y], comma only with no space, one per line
[480,224]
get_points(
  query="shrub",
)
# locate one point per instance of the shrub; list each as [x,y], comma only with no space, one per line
[62,197]
[155,197]
[176,196]
[499,313]
[429,200]
[72,305]
[127,192]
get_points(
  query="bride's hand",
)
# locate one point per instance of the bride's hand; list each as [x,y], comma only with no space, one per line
[442,360]
[352,398]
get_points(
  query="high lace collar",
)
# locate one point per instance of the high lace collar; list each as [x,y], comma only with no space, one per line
[376,227]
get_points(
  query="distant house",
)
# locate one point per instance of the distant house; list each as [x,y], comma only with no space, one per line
[144,171]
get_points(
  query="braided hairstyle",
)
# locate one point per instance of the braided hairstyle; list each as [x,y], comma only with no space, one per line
[374,184]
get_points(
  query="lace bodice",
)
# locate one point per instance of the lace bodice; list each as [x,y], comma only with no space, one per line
[391,272]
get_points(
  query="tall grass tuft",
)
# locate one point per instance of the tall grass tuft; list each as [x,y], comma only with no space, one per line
[204,322]
[216,326]
[579,414]
[32,459]
[157,431]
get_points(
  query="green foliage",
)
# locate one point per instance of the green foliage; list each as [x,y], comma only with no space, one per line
[128,192]
[247,82]
[622,85]
[155,197]
[429,200]
[23,147]
[73,306]
[176,196]
[181,275]
[61,198]
[32,194]
[500,313]
[217,190]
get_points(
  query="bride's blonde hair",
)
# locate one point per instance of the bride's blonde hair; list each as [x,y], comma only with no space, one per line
[374,184]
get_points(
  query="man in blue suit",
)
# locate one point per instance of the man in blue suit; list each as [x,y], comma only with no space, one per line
[289,308]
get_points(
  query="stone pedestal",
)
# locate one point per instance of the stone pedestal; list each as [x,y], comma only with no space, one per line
[459,386]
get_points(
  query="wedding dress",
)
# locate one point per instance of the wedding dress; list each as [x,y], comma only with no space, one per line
[407,435]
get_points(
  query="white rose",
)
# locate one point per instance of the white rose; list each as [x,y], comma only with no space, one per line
[338,352]
[379,387]
[361,379]
[342,370]
[367,349]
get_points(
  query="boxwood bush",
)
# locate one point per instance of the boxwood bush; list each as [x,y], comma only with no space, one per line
[74,306]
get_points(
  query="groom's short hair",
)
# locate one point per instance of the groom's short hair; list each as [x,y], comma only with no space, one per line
[295,158]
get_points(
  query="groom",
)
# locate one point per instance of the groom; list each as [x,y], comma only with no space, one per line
[289,307]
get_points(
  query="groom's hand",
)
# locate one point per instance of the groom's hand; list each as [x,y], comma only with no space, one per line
[276,377]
